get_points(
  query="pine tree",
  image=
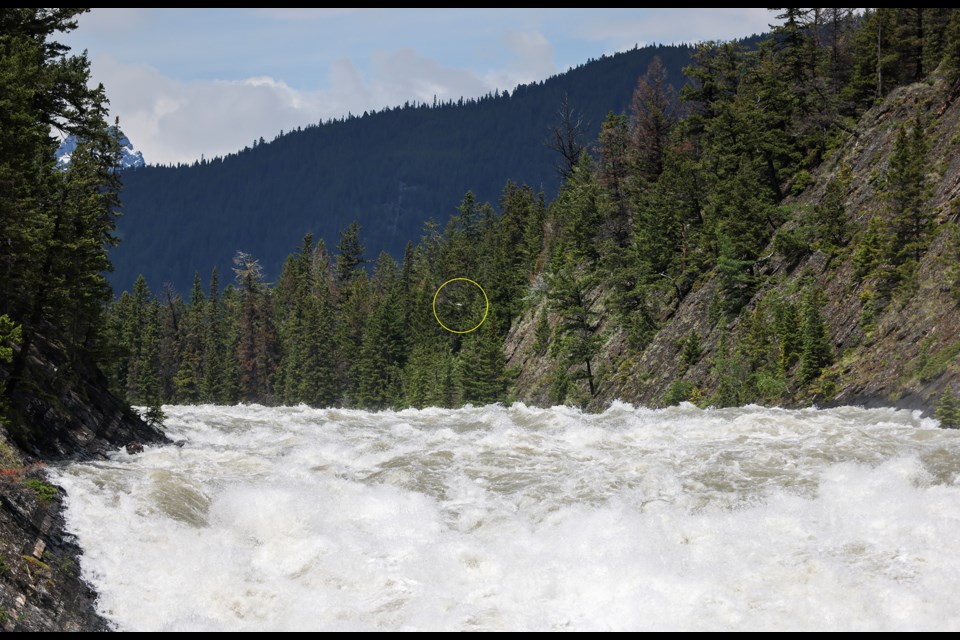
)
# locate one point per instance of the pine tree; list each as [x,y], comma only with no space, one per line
[188,382]
[576,341]
[654,112]
[948,410]
[830,214]
[612,174]
[10,335]
[483,364]
[353,310]
[787,327]
[349,253]
[906,195]
[56,225]
[951,55]
[816,352]
[257,342]
[383,350]
[215,346]
[542,334]
[691,351]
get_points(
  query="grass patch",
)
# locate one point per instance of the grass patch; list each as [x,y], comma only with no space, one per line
[44,490]
[930,367]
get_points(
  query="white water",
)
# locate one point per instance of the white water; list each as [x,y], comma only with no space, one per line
[523,518]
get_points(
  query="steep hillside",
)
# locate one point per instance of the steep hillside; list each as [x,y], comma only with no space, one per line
[391,171]
[905,355]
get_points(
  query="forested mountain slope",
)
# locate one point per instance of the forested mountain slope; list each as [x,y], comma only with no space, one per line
[390,171]
[786,233]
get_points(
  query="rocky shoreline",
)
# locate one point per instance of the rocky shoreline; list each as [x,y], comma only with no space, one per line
[55,419]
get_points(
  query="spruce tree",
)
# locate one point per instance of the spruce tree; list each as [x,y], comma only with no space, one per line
[654,113]
[830,214]
[816,352]
[349,253]
[483,364]
[948,410]
[906,196]
[576,340]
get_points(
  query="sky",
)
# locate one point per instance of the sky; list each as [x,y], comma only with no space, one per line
[188,83]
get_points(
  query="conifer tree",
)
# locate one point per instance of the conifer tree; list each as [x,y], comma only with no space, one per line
[215,345]
[575,336]
[349,253]
[654,112]
[906,195]
[830,214]
[189,378]
[948,410]
[816,352]
[483,364]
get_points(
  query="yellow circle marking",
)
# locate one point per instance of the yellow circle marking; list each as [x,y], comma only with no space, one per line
[485,299]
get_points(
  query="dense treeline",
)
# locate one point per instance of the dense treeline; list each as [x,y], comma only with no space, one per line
[331,331]
[55,226]
[676,190]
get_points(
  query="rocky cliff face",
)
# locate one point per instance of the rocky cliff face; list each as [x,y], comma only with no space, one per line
[59,411]
[905,358]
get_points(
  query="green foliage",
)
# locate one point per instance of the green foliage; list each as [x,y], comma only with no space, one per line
[906,197]
[691,351]
[679,391]
[787,328]
[576,339]
[801,181]
[45,491]
[154,416]
[830,214]
[793,244]
[663,207]
[10,334]
[948,410]
[952,48]
[953,260]
[483,366]
[930,367]
[542,334]
[56,225]
[730,369]
[816,352]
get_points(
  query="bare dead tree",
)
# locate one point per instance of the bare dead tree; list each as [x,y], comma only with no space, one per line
[565,138]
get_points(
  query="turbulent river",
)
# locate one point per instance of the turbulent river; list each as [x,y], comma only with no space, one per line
[524,518]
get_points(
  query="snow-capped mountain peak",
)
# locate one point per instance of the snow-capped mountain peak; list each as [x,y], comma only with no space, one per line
[130,157]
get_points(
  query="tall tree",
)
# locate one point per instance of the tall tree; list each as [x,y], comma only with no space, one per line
[654,109]
[55,225]
[349,253]
[566,138]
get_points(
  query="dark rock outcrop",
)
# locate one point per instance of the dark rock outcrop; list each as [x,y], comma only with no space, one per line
[40,586]
[63,410]
[58,410]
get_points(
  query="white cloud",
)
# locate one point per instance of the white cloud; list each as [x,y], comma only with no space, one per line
[533,59]
[672,26]
[176,121]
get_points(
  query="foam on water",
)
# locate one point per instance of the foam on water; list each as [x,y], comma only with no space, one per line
[526,518]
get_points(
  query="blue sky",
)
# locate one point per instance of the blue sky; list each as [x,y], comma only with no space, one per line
[187,82]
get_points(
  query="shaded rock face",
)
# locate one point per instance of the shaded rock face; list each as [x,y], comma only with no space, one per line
[40,586]
[71,413]
[59,411]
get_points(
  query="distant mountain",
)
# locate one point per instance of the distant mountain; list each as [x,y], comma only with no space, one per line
[390,170]
[130,157]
